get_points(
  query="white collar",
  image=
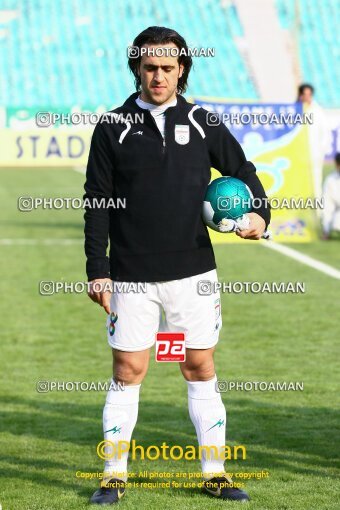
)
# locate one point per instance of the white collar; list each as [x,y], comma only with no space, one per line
[154,108]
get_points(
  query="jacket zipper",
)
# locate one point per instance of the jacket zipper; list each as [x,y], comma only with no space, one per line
[164,142]
[159,134]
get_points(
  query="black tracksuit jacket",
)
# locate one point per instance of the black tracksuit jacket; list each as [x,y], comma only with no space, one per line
[160,235]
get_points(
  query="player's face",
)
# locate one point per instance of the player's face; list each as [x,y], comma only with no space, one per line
[306,96]
[159,74]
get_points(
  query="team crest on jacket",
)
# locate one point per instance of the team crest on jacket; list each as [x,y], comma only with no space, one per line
[182,134]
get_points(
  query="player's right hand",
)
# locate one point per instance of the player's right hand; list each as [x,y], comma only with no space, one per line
[99,293]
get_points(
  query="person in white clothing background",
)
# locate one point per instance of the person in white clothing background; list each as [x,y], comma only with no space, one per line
[318,134]
[331,201]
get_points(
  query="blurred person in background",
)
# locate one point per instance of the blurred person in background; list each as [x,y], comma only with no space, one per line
[331,200]
[318,132]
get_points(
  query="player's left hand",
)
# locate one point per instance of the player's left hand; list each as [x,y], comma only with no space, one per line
[256,228]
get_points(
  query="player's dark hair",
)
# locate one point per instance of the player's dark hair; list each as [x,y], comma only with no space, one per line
[302,88]
[162,35]
[337,158]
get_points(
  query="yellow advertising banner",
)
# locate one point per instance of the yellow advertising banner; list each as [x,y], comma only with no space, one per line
[44,147]
[284,168]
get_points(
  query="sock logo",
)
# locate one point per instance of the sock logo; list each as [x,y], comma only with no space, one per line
[113,320]
[217,424]
[114,429]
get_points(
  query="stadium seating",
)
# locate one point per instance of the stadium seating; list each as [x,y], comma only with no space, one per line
[317,23]
[73,52]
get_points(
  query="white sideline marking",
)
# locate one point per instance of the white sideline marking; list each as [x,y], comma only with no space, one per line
[305,259]
[79,169]
[289,252]
[34,242]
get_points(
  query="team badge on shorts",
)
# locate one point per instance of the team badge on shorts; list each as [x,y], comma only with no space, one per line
[113,320]
[217,308]
[182,134]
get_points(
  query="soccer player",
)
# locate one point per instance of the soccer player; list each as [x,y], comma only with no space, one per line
[161,166]
[331,198]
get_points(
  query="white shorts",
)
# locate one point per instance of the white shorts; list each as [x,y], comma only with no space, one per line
[182,305]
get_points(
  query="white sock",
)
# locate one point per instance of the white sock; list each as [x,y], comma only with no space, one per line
[119,419]
[208,415]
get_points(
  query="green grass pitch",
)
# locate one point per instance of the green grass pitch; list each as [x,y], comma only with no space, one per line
[46,438]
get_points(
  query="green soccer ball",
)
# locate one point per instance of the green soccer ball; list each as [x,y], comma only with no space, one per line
[226,197]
